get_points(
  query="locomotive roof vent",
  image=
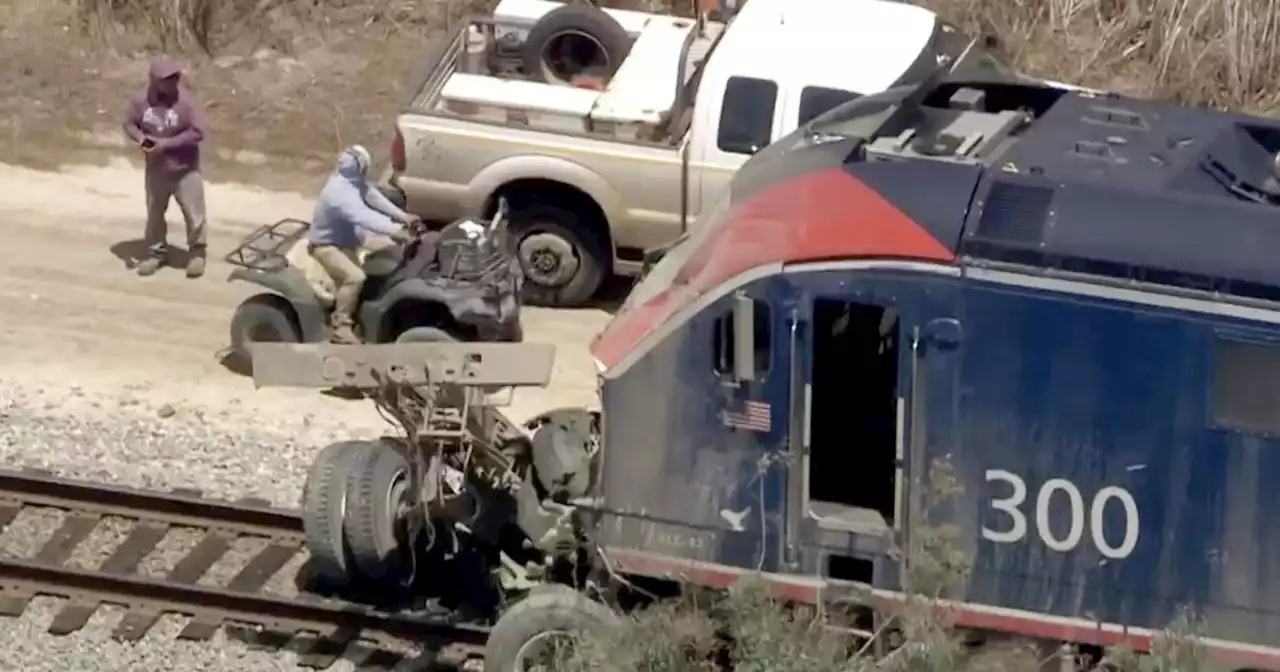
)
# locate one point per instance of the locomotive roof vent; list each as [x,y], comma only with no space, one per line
[1116,116]
[1013,222]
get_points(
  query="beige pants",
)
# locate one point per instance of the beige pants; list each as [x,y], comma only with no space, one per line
[343,266]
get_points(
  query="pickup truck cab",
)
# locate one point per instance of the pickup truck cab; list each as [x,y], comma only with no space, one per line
[598,172]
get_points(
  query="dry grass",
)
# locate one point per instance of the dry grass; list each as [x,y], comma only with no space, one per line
[1212,52]
[297,79]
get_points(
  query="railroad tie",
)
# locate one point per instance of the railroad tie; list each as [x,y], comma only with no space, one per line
[320,630]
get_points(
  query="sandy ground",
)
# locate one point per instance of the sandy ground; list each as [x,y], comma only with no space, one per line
[83,328]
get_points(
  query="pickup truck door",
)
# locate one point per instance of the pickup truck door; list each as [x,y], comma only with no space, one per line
[734,126]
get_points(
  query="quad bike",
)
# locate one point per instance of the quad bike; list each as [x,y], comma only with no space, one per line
[461,283]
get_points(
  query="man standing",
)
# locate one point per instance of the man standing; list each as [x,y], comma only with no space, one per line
[346,210]
[165,122]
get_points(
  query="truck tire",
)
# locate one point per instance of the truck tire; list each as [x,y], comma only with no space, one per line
[394,194]
[425,335]
[564,261]
[376,489]
[324,505]
[575,39]
[549,611]
[262,318]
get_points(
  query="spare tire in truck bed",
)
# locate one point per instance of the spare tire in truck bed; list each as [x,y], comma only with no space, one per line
[575,39]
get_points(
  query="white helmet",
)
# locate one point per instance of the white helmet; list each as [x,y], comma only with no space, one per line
[362,158]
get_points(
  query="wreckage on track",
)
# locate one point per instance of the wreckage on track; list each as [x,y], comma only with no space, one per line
[1072,298]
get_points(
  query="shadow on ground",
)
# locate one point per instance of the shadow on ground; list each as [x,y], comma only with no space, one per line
[450,591]
[130,252]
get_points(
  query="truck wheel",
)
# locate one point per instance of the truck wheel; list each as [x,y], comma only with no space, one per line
[574,39]
[263,318]
[378,499]
[564,262]
[425,335]
[526,635]
[394,194]
[324,505]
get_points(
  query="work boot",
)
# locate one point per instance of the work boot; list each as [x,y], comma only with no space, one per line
[152,263]
[342,332]
[195,264]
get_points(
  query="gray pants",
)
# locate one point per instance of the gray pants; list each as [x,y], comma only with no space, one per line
[188,190]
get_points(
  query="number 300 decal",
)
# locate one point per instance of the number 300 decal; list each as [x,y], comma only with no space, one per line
[1051,493]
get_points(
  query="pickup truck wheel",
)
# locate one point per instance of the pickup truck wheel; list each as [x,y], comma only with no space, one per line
[564,263]
[574,39]
[394,194]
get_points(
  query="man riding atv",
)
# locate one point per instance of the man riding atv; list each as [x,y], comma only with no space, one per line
[347,210]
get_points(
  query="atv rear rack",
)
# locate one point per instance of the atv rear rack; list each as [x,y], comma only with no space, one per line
[265,249]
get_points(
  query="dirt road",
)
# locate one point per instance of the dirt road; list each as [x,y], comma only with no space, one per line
[73,316]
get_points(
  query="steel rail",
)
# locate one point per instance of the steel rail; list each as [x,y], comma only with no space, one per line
[332,624]
[177,507]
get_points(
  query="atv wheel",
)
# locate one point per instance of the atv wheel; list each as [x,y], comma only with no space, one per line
[425,335]
[263,318]
[378,499]
[324,505]
[564,261]
[526,635]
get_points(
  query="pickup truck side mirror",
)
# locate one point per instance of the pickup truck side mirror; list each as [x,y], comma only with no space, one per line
[744,337]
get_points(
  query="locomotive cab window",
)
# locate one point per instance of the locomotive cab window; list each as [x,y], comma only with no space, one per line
[724,343]
[746,115]
[1246,386]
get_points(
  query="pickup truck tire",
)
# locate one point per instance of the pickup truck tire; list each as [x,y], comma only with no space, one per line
[564,262]
[394,194]
[575,29]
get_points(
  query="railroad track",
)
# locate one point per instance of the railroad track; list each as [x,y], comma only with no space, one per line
[321,630]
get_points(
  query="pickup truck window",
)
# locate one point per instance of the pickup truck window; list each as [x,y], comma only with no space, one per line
[815,100]
[746,115]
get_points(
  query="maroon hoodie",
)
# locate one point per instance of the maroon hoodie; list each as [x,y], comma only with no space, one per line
[173,121]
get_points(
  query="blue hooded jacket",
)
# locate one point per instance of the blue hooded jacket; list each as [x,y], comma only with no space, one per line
[347,204]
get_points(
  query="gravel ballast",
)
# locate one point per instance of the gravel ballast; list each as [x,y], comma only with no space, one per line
[137,441]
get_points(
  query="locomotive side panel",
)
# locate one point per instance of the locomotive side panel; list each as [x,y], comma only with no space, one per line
[1106,487]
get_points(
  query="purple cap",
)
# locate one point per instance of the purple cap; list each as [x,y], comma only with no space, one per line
[163,68]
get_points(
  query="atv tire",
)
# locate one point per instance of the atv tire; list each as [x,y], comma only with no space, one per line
[262,318]
[548,611]
[591,28]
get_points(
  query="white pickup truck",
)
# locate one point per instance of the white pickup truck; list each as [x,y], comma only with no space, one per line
[607,131]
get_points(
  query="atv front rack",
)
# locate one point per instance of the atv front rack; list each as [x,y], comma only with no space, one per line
[265,249]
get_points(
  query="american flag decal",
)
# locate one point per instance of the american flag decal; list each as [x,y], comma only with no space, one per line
[756,416]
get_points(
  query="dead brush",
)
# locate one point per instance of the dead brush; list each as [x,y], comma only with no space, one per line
[209,27]
[1224,53]
[746,630]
